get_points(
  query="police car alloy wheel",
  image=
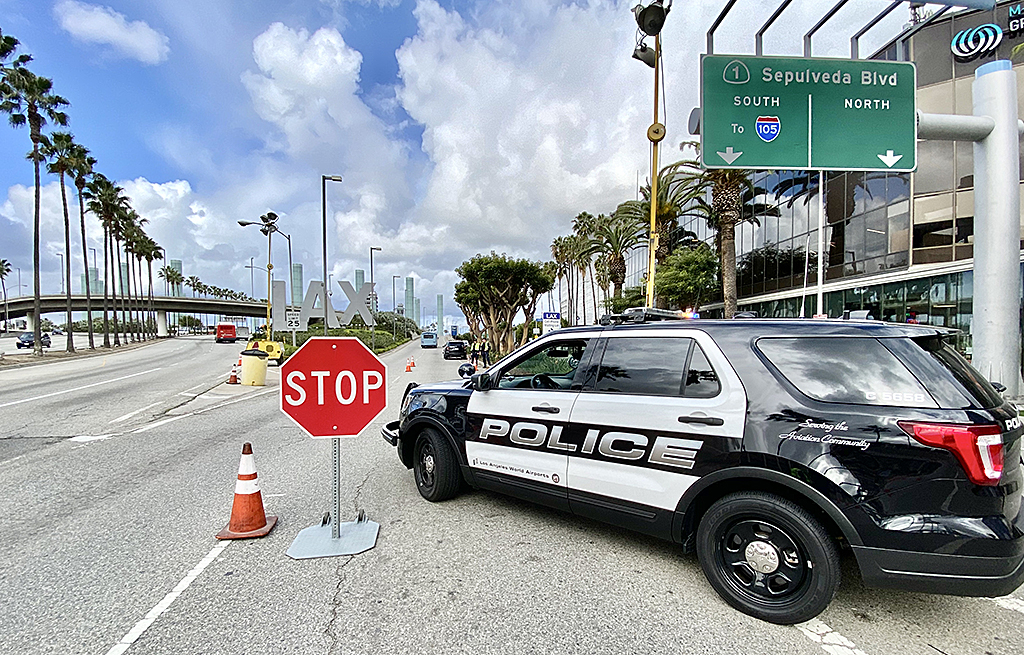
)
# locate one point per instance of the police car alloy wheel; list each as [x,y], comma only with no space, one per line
[435,467]
[768,557]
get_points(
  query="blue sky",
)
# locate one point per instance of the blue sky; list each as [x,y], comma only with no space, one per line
[459,127]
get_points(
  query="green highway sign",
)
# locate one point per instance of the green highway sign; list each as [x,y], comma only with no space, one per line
[794,113]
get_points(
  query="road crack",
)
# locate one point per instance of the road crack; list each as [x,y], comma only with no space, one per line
[359,489]
[331,630]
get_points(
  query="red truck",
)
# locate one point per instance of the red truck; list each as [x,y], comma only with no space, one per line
[226,333]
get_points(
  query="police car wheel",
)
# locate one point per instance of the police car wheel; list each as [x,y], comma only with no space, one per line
[435,467]
[768,557]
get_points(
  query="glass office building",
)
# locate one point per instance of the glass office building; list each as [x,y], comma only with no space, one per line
[898,245]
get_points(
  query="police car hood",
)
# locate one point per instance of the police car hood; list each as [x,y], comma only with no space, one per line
[441,387]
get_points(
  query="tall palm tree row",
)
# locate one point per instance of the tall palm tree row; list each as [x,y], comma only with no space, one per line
[28,99]
[57,149]
[81,170]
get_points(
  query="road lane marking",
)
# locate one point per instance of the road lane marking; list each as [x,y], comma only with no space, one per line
[132,635]
[87,386]
[86,438]
[830,641]
[1010,603]
[131,414]
[147,428]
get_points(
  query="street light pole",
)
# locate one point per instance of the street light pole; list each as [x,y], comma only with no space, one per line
[373,296]
[323,206]
[61,255]
[252,278]
[655,135]
[394,307]
[651,19]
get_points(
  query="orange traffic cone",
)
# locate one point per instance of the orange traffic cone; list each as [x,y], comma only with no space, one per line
[247,517]
[233,378]
[408,366]
[413,360]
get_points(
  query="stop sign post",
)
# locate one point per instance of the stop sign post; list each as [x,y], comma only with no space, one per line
[334,387]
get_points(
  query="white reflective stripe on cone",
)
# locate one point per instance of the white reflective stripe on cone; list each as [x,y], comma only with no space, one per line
[247,465]
[245,487]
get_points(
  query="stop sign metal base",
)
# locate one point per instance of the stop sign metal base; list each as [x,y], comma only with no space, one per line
[354,537]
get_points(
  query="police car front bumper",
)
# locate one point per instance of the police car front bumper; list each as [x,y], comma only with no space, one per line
[390,432]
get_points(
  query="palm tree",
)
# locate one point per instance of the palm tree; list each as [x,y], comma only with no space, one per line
[5,270]
[28,99]
[58,149]
[733,201]
[150,252]
[81,169]
[584,225]
[106,202]
[615,236]
[560,254]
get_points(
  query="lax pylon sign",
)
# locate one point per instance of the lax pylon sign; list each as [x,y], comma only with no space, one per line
[333,387]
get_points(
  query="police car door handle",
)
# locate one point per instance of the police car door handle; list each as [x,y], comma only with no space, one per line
[704,420]
[545,408]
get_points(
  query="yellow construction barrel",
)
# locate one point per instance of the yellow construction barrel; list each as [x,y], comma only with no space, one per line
[274,349]
[254,368]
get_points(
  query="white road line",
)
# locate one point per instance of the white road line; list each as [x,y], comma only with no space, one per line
[830,641]
[147,428]
[86,438]
[132,635]
[1010,603]
[131,414]
[87,386]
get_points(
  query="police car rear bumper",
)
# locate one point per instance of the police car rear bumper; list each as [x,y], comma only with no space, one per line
[937,573]
[390,432]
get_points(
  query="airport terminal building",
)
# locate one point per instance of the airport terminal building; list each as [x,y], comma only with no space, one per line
[898,245]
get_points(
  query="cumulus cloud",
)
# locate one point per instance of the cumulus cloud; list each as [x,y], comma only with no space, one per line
[102,25]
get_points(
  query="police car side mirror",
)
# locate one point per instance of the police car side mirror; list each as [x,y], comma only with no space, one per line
[481,381]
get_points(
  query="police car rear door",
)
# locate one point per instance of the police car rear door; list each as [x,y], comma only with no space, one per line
[515,443]
[659,409]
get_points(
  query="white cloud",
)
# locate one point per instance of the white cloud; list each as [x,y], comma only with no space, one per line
[102,25]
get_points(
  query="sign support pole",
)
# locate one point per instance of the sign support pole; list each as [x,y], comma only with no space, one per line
[821,242]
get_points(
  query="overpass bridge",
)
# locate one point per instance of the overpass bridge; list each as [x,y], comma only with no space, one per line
[23,307]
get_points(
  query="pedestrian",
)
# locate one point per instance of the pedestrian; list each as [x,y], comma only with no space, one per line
[485,351]
[474,356]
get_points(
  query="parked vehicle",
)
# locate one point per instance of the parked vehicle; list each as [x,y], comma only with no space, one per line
[455,349]
[28,340]
[766,446]
[226,333]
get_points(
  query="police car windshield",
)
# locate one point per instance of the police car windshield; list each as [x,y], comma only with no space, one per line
[556,362]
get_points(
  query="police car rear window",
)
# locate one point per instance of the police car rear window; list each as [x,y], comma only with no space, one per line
[858,370]
[655,367]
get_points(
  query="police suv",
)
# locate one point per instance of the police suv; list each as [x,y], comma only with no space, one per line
[767,446]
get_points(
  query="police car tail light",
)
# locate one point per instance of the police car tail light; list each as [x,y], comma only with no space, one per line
[979,448]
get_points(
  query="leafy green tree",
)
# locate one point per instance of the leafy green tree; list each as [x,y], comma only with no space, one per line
[28,99]
[631,297]
[687,278]
[57,150]
[504,287]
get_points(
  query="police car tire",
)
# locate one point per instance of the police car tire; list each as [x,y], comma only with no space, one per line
[445,479]
[821,580]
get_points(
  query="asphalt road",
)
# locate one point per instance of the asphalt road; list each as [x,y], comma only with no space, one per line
[117,470]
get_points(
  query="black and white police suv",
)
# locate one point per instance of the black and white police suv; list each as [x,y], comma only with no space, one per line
[766,446]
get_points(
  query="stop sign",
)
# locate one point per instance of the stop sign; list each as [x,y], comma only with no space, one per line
[333,387]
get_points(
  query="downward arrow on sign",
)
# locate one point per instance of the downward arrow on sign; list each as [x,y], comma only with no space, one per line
[729,156]
[890,159]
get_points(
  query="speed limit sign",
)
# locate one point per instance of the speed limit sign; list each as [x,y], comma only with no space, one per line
[291,319]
